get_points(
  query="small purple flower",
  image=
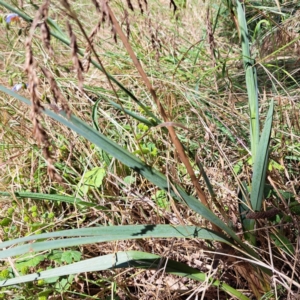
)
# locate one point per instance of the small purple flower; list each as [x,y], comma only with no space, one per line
[19,86]
[12,18]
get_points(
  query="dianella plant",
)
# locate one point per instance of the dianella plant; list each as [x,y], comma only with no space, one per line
[215,228]
[259,142]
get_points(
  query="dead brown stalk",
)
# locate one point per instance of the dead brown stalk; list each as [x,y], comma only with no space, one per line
[30,68]
[183,157]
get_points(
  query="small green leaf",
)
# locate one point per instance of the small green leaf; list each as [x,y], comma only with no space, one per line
[45,293]
[29,262]
[99,177]
[140,126]
[283,243]
[34,208]
[140,151]
[36,226]
[154,152]
[70,256]
[250,161]
[64,284]
[55,255]
[4,274]
[93,178]
[237,168]
[129,179]
[295,207]
[161,199]
[274,165]
[5,222]
[10,211]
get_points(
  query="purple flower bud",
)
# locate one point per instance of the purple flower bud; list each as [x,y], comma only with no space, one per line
[17,87]
[12,18]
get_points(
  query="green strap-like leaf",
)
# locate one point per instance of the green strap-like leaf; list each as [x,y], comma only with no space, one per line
[261,163]
[119,107]
[82,236]
[53,197]
[127,259]
[244,208]
[251,78]
[281,241]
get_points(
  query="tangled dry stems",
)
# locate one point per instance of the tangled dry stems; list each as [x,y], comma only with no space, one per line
[142,208]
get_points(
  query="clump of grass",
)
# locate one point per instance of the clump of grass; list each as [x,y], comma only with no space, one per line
[128,158]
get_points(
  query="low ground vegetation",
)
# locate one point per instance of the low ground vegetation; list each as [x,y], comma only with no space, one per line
[149,150]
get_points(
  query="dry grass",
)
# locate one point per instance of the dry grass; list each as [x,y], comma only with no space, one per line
[167,49]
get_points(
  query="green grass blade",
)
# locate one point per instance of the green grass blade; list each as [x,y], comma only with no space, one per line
[53,197]
[248,224]
[95,115]
[82,236]
[251,78]
[283,243]
[206,179]
[126,111]
[261,163]
[127,259]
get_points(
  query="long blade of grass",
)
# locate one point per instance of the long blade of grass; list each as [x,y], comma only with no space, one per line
[261,163]
[259,175]
[126,111]
[83,236]
[282,242]
[127,259]
[251,78]
[53,197]
[137,165]
[244,207]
